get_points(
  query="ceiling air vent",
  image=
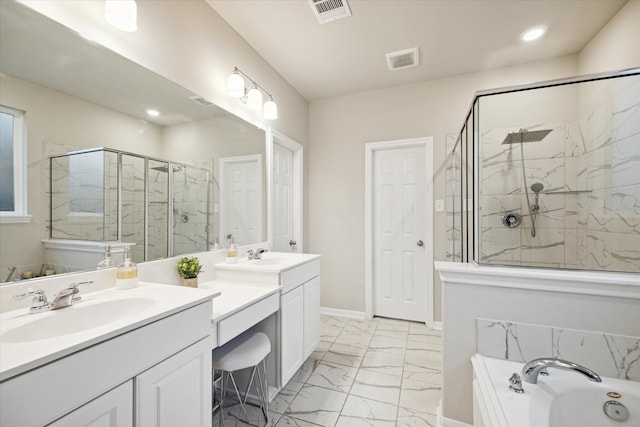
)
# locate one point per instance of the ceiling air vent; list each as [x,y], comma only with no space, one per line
[330,10]
[403,59]
[200,100]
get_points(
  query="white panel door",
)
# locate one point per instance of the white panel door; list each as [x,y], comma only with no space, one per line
[282,198]
[399,232]
[241,199]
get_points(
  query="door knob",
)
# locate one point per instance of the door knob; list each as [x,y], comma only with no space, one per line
[420,243]
[292,243]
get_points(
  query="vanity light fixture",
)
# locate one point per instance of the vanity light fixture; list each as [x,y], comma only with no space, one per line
[533,33]
[251,96]
[122,14]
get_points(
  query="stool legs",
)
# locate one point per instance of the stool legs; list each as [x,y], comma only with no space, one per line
[259,376]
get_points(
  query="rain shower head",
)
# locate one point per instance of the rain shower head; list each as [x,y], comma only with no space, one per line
[524,135]
[165,168]
[537,187]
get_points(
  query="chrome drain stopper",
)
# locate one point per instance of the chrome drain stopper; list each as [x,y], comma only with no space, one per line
[616,411]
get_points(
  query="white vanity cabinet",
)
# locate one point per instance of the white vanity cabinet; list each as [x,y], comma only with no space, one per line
[155,375]
[114,408]
[299,316]
[176,391]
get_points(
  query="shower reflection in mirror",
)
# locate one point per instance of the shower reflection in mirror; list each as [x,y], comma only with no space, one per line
[101,194]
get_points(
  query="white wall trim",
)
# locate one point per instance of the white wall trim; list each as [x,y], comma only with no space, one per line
[370,149]
[298,184]
[625,285]
[437,325]
[447,422]
[351,314]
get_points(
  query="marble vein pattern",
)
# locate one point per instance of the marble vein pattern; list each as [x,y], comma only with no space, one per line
[610,355]
[589,215]
[370,373]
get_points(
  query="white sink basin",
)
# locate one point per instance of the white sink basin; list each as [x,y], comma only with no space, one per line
[270,261]
[78,317]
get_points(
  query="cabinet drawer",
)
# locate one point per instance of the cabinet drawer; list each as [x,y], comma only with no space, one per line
[237,323]
[296,276]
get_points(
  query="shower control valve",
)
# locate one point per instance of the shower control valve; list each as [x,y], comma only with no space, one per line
[511,219]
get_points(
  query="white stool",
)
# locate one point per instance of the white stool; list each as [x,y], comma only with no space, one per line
[244,351]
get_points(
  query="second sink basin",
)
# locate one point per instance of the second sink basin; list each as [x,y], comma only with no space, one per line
[76,318]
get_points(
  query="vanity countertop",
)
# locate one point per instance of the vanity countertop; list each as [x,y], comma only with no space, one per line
[271,262]
[144,304]
[236,295]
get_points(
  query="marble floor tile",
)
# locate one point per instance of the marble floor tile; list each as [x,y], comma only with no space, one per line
[363,373]
[387,342]
[409,418]
[343,358]
[360,407]
[389,361]
[420,396]
[285,421]
[426,375]
[354,350]
[378,386]
[333,376]
[347,421]
[393,325]
[317,405]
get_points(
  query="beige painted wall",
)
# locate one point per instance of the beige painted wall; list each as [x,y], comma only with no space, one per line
[338,130]
[58,123]
[616,46]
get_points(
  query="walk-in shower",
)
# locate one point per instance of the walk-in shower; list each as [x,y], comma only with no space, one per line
[564,153]
[521,137]
[102,194]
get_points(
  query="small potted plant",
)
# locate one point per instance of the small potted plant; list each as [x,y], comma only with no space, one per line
[188,269]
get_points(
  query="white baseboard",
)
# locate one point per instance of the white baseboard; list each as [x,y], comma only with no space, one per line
[351,314]
[447,422]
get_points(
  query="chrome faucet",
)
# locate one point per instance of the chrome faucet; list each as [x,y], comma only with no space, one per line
[62,299]
[257,254]
[532,369]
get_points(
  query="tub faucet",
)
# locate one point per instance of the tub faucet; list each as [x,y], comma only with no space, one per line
[257,254]
[532,369]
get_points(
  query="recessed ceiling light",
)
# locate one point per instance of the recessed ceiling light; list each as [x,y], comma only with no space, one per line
[153,113]
[533,33]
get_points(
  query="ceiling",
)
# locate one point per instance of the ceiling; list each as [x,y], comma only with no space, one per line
[453,36]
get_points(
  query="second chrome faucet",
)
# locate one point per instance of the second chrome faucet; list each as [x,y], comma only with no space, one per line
[532,369]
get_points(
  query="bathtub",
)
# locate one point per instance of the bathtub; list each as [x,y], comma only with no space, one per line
[562,399]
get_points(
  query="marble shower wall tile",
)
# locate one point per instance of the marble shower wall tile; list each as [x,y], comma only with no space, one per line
[610,355]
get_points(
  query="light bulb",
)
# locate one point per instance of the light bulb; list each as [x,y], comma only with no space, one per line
[534,33]
[270,110]
[235,85]
[122,14]
[254,98]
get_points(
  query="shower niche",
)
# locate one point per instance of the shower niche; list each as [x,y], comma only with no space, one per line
[102,195]
[545,175]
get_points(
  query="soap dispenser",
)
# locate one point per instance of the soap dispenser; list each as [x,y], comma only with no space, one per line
[127,274]
[231,254]
[107,262]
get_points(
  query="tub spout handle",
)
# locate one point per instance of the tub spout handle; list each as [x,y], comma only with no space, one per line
[532,369]
[515,383]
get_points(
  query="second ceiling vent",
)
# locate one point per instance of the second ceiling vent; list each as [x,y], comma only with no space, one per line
[330,10]
[403,59]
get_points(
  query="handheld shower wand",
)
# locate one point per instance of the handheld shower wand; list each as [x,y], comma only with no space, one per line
[536,187]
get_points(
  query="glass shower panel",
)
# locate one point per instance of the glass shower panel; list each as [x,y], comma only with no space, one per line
[158,210]
[558,181]
[83,194]
[191,208]
[132,212]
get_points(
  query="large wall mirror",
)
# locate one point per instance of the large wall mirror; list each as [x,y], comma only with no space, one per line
[99,168]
